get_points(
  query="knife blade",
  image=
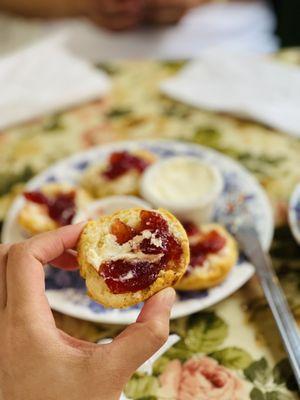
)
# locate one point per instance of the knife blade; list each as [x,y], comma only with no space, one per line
[247,238]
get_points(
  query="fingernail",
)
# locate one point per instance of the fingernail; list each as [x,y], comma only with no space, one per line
[168,296]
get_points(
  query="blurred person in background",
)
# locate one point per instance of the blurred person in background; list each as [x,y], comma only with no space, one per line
[162,28]
[112,14]
[126,14]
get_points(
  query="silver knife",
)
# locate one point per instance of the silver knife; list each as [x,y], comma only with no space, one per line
[248,240]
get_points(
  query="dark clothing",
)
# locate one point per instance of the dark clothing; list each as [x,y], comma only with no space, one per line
[288,21]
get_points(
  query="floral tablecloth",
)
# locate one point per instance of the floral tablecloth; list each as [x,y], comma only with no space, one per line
[234,345]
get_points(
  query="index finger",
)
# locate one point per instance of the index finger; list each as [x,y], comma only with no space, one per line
[25,273]
[50,245]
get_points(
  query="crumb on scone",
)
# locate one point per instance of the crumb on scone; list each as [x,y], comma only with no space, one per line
[128,256]
[118,175]
[213,254]
[51,206]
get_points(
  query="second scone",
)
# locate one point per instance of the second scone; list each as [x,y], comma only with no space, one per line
[213,254]
[128,256]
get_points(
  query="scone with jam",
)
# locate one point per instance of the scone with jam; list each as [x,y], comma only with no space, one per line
[213,253]
[128,256]
[119,175]
[51,206]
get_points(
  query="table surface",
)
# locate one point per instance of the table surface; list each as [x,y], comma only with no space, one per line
[239,332]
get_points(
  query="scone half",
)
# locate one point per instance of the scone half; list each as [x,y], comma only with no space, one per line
[213,254]
[50,207]
[119,174]
[128,256]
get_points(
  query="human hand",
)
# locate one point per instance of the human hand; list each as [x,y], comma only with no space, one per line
[112,14]
[38,361]
[116,14]
[164,12]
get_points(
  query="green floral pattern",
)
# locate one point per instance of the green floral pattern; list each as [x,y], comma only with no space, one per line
[204,336]
[237,337]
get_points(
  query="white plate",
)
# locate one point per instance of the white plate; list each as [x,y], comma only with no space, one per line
[241,195]
[294,213]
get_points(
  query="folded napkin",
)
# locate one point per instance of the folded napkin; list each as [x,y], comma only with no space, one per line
[45,78]
[261,89]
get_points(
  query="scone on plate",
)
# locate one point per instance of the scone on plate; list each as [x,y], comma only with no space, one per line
[128,256]
[119,175]
[51,206]
[213,253]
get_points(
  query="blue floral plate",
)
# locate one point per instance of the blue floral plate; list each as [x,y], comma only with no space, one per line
[294,213]
[241,195]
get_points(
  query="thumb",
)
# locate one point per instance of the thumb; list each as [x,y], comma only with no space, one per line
[141,340]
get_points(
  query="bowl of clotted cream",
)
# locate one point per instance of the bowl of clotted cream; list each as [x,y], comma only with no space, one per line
[184,185]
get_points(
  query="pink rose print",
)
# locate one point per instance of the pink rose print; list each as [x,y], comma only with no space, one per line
[201,379]
[170,379]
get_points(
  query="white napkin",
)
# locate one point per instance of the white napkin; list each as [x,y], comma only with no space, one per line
[262,89]
[44,78]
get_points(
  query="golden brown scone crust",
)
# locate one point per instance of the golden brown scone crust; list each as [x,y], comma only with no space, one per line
[218,265]
[94,232]
[34,218]
[127,184]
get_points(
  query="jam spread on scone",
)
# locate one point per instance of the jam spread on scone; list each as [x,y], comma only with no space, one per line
[121,162]
[202,244]
[130,255]
[209,243]
[61,208]
[191,228]
[153,239]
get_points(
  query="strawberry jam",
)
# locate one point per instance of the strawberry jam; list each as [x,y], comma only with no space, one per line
[150,248]
[61,208]
[123,276]
[191,228]
[152,221]
[36,197]
[209,243]
[174,248]
[121,162]
[121,231]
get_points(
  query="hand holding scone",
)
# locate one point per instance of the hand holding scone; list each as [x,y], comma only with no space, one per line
[39,361]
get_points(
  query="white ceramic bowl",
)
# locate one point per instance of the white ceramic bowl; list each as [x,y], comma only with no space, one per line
[108,205]
[186,186]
